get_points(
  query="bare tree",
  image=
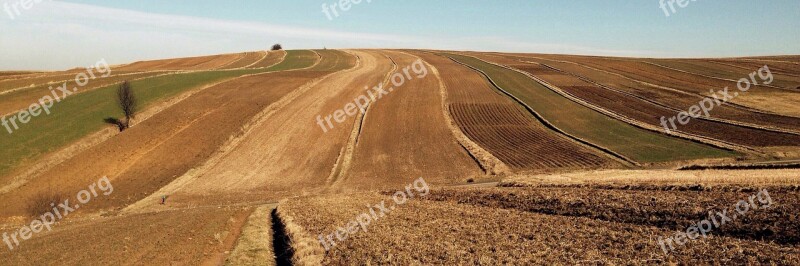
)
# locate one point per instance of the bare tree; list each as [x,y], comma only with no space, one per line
[277,46]
[127,102]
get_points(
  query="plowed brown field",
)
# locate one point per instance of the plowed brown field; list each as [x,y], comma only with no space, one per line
[759,97]
[404,136]
[704,67]
[519,140]
[444,232]
[775,66]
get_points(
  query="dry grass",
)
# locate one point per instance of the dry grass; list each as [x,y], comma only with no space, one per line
[255,244]
[40,202]
[709,179]
[307,251]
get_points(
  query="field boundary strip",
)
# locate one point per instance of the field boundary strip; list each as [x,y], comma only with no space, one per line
[344,160]
[546,123]
[319,60]
[234,61]
[165,72]
[687,136]
[707,118]
[766,60]
[731,64]
[707,76]
[487,161]
[700,96]
[283,57]
[266,53]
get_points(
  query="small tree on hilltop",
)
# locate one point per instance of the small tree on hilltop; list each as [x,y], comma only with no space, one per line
[127,102]
[277,46]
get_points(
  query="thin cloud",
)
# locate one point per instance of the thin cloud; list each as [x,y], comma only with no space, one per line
[58,35]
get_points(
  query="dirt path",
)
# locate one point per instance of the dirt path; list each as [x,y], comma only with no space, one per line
[234,231]
[345,159]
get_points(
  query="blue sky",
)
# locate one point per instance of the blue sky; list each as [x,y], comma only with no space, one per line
[62,34]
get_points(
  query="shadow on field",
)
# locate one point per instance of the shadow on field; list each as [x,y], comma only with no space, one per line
[280,241]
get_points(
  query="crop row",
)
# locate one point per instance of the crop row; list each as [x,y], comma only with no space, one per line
[516,140]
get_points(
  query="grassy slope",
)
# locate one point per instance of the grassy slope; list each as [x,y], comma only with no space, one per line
[635,143]
[295,60]
[83,114]
[334,65]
